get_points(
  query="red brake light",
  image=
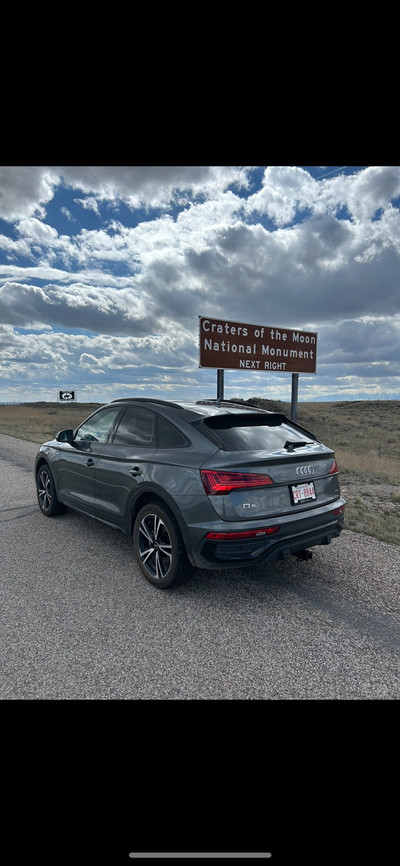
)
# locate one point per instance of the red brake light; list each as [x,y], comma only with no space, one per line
[220,482]
[252,533]
[334,468]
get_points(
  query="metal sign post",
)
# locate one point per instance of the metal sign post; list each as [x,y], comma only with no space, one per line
[295,394]
[220,384]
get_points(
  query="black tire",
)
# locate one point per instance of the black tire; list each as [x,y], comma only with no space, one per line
[49,503]
[159,547]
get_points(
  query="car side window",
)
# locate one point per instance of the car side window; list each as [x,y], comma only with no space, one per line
[136,428]
[97,428]
[169,436]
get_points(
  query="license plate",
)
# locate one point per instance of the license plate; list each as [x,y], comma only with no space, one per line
[303,492]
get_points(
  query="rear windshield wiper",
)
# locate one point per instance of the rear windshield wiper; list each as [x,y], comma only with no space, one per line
[290,446]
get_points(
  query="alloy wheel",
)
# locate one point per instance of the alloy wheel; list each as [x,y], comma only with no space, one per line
[44,490]
[155,548]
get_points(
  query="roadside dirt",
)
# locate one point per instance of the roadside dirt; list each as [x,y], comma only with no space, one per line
[373,493]
[372,507]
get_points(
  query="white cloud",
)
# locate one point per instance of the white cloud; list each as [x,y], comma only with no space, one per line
[25,190]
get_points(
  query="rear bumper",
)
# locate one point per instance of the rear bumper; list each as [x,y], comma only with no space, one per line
[293,536]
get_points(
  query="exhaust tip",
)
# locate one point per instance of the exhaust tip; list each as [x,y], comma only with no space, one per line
[303,554]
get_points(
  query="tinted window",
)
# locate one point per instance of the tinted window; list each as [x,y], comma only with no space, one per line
[136,427]
[169,436]
[255,434]
[97,428]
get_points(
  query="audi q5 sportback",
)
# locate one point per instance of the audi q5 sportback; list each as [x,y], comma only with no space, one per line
[207,484]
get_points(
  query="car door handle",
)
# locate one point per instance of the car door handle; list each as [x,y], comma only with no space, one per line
[135,471]
[90,462]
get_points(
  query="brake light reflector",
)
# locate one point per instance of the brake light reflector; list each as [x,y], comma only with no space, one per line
[219,482]
[334,468]
[252,533]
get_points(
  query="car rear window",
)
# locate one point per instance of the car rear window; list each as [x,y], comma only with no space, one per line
[255,433]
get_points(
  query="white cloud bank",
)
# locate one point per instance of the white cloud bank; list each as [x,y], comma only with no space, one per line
[105,270]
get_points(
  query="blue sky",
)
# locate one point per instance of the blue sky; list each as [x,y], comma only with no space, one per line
[104,271]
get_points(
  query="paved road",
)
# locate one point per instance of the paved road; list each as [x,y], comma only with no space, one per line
[78,621]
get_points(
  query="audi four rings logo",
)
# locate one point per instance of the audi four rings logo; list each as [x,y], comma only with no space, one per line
[304,470]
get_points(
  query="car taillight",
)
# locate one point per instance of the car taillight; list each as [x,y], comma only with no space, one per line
[338,511]
[334,468]
[252,533]
[219,482]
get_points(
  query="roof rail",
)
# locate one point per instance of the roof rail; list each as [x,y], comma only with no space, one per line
[218,402]
[147,400]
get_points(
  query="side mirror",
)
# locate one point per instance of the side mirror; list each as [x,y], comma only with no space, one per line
[65,436]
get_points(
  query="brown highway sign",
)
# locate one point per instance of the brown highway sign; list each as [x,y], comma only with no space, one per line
[241,346]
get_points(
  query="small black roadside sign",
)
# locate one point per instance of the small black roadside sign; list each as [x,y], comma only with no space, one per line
[67,395]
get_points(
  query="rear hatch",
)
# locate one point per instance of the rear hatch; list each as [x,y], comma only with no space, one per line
[266,467]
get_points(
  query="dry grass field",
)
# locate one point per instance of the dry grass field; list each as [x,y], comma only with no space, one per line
[40,421]
[365,436]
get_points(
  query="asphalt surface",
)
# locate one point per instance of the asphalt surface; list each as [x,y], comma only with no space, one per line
[79,622]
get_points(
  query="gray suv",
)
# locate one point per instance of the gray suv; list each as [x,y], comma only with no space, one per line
[207,484]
